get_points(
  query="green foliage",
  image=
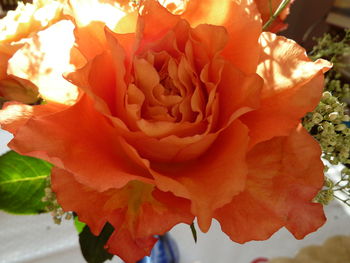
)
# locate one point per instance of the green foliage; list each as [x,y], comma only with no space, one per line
[22,183]
[327,122]
[334,49]
[331,48]
[79,226]
[92,247]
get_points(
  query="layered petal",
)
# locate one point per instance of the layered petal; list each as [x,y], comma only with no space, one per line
[293,86]
[241,20]
[83,141]
[197,180]
[137,211]
[280,188]
[155,21]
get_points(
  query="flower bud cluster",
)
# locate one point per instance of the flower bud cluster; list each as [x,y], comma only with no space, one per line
[327,125]
[336,50]
[53,207]
[339,190]
[337,87]
[326,195]
[328,122]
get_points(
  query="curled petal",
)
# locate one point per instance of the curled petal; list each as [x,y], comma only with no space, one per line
[242,22]
[98,84]
[281,185]
[155,21]
[6,52]
[238,93]
[90,39]
[293,86]
[21,90]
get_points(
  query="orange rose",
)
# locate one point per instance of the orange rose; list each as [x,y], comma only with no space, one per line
[183,116]
[267,8]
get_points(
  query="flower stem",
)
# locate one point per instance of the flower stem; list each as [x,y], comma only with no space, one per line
[270,7]
[279,10]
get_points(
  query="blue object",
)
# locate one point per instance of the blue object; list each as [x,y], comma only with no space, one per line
[164,251]
[347,123]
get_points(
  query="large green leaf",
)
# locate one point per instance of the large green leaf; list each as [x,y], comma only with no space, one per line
[22,183]
[92,247]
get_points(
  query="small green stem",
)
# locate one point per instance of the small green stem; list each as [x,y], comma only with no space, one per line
[194,232]
[270,7]
[279,10]
[342,200]
[341,188]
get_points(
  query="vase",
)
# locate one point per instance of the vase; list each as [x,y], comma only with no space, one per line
[164,251]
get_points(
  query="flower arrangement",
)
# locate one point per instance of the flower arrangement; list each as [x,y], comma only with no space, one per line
[146,114]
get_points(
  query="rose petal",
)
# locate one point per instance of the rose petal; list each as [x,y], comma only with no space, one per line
[207,41]
[155,21]
[199,183]
[171,148]
[138,211]
[238,93]
[213,38]
[91,39]
[73,196]
[83,141]
[293,87]
[17,89]
[279,191]
[122,66]
[98,84]
[6,52]
[14,115]
[242,22]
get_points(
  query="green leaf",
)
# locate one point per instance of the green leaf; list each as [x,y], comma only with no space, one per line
[22,183]
[79,226]
[92,247]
